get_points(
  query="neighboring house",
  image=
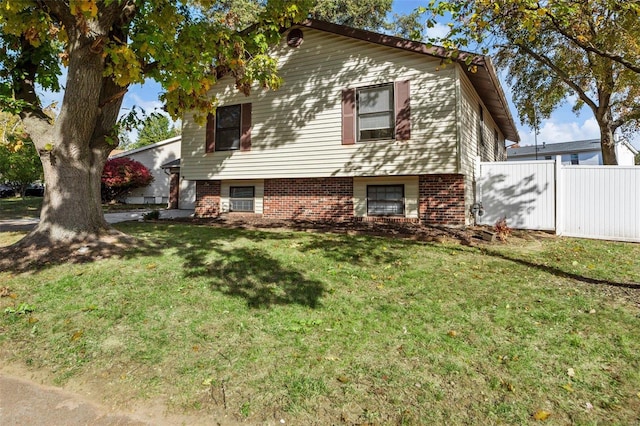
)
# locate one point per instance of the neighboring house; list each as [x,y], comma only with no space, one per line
[587,152]
[366,126]
[154,157]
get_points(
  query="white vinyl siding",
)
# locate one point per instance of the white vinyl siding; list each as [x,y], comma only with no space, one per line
[410,193]
[470,147]
[258,186]
[297,129]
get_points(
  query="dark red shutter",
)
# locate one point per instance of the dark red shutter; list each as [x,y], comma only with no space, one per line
[245,127]
[348,116]
[403,110]
[211,133]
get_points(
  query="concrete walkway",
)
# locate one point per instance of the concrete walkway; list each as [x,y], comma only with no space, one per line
[26,403]
[26,224]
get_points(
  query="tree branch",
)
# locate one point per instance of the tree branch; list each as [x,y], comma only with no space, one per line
[592,49]
[24,76]
[626,118]
[560,72]
[58,9]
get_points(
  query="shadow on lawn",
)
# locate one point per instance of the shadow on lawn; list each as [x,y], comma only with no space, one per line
[256,275]
[559,272]
[249,272]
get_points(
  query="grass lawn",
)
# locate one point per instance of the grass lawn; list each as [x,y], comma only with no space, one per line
[19,208]
[321,328]
[29,207]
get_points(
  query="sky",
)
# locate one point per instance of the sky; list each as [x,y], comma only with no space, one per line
[562,126]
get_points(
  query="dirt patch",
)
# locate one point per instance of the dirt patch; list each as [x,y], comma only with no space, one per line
[33,254]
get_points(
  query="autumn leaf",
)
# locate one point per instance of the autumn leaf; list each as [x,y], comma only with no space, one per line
[78,334]
[567,387]
[87,8]
[541,415]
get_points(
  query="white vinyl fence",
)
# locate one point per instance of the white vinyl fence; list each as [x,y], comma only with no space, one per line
[600,202]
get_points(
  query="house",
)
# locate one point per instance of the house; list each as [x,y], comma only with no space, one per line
[163,161]
[586,152]
[365,127]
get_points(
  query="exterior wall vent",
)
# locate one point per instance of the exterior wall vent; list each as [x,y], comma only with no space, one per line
[295,37]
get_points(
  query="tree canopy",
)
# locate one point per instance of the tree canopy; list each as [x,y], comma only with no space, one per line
[556,50]
[365,14]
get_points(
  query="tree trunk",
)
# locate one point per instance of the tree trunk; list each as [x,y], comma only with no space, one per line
[70,210]
[607,143]
[73,152]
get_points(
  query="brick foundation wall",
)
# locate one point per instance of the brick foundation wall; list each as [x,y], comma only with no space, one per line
[321,199]
[207,198]
[442,199]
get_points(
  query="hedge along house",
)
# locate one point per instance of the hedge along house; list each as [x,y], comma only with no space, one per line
[365,126]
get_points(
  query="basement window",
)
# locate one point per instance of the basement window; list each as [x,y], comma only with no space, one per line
[241,198]
[385,200]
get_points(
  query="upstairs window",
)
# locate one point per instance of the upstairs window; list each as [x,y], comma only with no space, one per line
[241,198]
[376,116]
[385,200]
[229,129]
[380,112]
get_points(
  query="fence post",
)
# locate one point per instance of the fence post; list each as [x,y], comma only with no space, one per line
[559,198]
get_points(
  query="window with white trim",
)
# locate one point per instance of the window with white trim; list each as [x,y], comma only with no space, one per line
[385,200]
[376,115]
[241,198]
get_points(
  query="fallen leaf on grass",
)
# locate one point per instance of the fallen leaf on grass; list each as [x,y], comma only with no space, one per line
[343,379]
[541,415]
[508,386]
[568,387]
[78,334]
